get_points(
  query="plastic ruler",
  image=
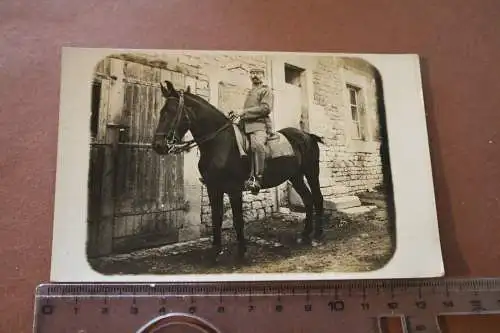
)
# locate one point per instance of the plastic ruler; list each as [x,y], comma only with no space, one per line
[319,307]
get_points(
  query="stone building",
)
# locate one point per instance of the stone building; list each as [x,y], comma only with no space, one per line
[333,97]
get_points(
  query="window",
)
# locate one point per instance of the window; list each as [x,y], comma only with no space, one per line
[357,112]
[95,106]
[360,110]
[293,75]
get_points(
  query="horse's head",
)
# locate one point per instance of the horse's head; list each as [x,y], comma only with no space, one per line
[174,120]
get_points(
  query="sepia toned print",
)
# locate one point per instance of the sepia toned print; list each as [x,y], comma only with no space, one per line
[235,164]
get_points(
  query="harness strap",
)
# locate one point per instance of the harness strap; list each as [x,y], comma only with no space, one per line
[177,119]
[187,145]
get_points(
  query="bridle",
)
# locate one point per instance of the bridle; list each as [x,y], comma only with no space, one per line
[176,146]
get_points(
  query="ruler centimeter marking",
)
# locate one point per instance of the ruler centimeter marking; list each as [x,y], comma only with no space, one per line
[350,306]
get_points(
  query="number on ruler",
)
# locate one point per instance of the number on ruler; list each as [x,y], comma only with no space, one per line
[75,308]
[47,309]
[336,306]
[421,304]
[448,304]
[477,305]
[393,305]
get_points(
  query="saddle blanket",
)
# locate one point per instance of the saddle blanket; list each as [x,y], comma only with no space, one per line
[277,147]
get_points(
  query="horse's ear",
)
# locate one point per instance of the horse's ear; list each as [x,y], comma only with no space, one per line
[167,89]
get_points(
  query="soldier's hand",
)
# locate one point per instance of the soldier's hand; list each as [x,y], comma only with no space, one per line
[233,115]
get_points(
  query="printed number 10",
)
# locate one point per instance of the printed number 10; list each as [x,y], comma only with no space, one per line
[336,306]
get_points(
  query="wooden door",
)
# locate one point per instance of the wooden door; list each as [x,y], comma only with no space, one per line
[137,197]
[149,203]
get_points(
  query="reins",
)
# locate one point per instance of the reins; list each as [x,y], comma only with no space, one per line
[183,146]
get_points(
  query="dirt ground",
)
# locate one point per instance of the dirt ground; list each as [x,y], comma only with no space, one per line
[353,243]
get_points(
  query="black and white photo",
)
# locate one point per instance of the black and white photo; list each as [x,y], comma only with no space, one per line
[229,165]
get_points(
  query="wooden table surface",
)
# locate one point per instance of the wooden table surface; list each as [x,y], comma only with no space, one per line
[457,39]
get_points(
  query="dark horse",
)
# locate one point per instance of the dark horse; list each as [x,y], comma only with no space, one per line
[224,170]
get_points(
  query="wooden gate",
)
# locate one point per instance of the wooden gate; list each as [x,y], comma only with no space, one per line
[136,197]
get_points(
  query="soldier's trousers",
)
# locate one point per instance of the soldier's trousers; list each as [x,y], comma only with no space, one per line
[258,145]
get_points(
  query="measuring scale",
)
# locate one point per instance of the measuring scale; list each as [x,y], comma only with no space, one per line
[339,306]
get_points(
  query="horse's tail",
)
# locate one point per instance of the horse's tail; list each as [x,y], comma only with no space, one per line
[316,138]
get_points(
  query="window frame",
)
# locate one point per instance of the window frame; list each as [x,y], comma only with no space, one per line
[365,141]
[357,134]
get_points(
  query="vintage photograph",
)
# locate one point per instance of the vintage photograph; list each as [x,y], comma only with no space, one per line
[243,164]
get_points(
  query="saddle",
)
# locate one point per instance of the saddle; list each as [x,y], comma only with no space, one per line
[277,146]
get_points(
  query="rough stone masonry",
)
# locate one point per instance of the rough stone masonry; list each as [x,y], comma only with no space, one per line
[350,161]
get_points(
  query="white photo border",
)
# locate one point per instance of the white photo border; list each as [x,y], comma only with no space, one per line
[418,248]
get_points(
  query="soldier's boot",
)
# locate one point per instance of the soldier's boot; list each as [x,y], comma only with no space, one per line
[250,182]
[256,184]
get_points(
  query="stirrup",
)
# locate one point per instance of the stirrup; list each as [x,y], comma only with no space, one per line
[249,182]
[253,185]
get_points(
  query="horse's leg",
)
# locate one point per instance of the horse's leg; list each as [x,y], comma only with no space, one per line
[311,170]
[305,194]
[312,176]
[236,199]
[216,197]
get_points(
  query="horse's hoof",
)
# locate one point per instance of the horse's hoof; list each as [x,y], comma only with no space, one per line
[318,240]
[240,254]
[216,255]
[303,241]
[319,237]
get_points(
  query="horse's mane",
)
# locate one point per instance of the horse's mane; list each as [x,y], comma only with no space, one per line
[204,103]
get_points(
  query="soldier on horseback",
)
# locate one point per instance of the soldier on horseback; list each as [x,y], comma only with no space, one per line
[295,155]
[255,122]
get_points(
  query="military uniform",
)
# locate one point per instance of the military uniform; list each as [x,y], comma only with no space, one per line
[256,120]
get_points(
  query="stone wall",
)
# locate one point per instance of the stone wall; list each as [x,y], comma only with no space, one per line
[255,207]
[225,84]
[347,166]
[223,81]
